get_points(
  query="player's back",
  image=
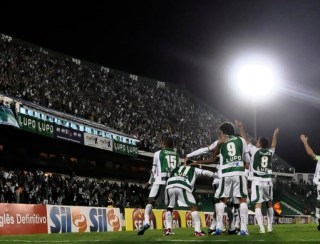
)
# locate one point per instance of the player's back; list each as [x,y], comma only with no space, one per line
[232,156]
[166,160]
[182,177]
[262,164]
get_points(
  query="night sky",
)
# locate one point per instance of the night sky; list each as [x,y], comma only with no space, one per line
[193,43]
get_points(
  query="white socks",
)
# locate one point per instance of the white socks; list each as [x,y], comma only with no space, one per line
[243,216]
[237,218]
[147,213]
[213,223]
[219,213]
[196,221]
[231,219]
[168,219]
[259,218]
[270,217]
[318,213]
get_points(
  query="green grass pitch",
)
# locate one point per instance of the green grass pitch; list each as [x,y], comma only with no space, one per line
[282,233]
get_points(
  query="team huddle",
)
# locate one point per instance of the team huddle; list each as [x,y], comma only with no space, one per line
[239,164]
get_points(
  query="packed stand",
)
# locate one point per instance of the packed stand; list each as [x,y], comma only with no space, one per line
[17,186]
[142,109]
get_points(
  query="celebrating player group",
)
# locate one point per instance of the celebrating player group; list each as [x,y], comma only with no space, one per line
[241,168]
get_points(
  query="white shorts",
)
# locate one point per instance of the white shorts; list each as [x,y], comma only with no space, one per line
[232,186]
[180,196]
[157,193]
[261,191]
[318,192]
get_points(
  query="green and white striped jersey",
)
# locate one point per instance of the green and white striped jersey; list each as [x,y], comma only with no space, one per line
[261,163]
[233,153]
[185,177]
[164,162]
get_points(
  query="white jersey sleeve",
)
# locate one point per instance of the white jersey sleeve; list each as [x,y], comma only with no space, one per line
[252,149]
[203,150]
[213,145]
[203,172]
[154,167]
[246,151]
[151,179]
[316,177]
[216,181]
[272,149]
[155,172]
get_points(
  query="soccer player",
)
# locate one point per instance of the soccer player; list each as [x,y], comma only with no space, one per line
[179,190]
[164,162]
[261,174]
[233,153]
[232,202]
[316,178]
[213,160]
[262,187]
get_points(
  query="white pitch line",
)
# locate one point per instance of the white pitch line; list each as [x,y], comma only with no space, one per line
[158,240]
[55,241]
[177,240]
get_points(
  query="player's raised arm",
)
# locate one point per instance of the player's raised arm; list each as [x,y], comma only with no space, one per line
[242,132]
[274,138]
[222,139]
[309,150]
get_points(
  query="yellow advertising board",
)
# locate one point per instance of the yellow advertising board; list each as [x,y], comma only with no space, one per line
[134,218]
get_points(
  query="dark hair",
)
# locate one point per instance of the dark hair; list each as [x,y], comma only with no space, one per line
[227,128]
[264,142]
[189,162]
[167,141]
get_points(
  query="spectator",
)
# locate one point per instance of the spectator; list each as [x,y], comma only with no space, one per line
[141,109]
[84,191]
[110,202]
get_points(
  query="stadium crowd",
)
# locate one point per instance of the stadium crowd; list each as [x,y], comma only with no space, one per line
[38,187]
[144,110]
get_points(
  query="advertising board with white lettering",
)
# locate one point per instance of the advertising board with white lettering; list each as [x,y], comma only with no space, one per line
[35,125]
[126,149]
[98,142]
[22,219]
[68,134]
[67,219]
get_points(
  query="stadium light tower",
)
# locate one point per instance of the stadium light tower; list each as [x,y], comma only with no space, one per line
[255,78]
